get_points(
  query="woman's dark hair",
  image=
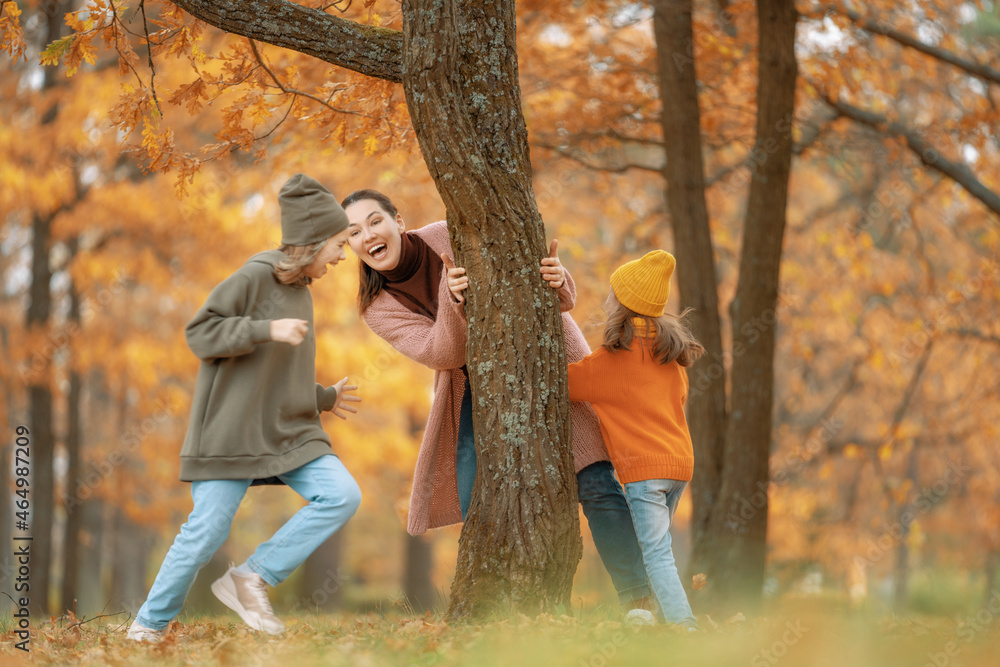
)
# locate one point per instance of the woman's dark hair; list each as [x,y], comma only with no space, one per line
[670,340]
[370,281]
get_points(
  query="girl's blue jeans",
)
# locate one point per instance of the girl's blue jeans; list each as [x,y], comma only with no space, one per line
[333,497]
[653,503]
[602,501]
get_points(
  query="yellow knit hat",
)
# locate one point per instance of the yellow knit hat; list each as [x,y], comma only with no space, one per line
[643,285]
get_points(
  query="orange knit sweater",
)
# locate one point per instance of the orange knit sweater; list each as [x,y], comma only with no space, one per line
[641,406]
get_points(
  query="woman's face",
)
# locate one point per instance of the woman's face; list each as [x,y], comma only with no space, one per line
[374,235]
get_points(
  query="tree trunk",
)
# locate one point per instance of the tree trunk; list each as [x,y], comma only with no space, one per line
[696,279]
[417,585]
[521,541]
[131,550]
[42,436]
[733,549]
[71,539]
[901,588]
[322,585]
[91,597]
[992,561]
[40,377]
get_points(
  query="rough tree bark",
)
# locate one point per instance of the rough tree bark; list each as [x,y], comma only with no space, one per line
[521,540]
[521,543]
[732,549]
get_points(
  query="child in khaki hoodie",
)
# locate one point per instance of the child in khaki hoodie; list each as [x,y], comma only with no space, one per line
[637,385]
[255,418]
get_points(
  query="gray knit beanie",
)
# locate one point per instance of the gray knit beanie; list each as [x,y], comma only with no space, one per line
[309,212]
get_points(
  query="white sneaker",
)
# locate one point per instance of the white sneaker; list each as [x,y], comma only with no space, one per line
[247,596]
[140,633]
[639,617]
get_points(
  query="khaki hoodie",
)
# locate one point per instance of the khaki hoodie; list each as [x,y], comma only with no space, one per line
[255,412]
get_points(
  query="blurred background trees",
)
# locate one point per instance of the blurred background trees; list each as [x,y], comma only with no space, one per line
[882,471]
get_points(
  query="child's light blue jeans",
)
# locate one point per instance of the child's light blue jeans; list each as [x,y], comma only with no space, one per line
[333,497]
[653,503]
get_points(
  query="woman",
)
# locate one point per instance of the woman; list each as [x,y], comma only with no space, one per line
[405,298]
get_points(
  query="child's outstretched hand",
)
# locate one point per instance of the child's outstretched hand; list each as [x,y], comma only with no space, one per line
[289,330]
[458,282]
[552,269]
[342,387]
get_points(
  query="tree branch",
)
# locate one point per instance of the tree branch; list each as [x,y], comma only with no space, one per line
[149,54]
[972,333]
[299,93]
[897,419]
[596,166]
[368,50]
[984,72]
[928,155]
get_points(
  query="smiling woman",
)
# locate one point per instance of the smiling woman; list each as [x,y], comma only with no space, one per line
[399,263]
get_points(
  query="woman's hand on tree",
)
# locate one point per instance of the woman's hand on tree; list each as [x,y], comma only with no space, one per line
[458,282]
[343,397]
[552,269]
[289,330]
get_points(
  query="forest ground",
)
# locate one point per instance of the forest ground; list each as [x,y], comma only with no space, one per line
[800,632]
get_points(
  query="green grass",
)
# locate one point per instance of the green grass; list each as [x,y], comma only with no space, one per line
[797,634]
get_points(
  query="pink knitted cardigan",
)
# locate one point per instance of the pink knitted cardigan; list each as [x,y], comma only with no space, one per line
[440,345]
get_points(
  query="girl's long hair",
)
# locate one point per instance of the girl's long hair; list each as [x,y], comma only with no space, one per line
[370,281]
[291,270]
[671,340]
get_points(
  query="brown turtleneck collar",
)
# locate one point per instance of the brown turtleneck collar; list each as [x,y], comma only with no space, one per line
[416,279]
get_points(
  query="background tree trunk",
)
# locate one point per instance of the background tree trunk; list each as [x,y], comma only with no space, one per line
[732,549]
[417,585]
[39,381]
[130,551]
[74,431]
[91,596]
[40,407]
[322,587]
[990,575]
[521,541]
[684,174]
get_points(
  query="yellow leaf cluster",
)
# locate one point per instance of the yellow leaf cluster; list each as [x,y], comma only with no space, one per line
[11,33]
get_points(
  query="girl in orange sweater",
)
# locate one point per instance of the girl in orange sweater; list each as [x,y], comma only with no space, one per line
[637,384]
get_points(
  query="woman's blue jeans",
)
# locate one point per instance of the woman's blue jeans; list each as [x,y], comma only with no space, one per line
[653,503]
[603,504]
[333,497]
